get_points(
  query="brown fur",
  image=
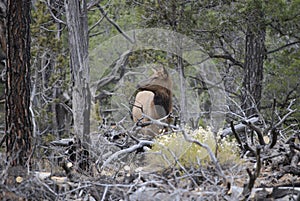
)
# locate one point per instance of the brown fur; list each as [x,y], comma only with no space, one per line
[153,99]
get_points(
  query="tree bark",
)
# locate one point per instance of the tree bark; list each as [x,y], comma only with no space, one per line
[2,33]
[18,118]
[76,13]
[254,60]
[183,101]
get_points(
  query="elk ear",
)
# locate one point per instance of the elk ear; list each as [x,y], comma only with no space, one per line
[159,69]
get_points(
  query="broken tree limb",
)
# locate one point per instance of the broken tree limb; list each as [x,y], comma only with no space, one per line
[239,127]
[141,144]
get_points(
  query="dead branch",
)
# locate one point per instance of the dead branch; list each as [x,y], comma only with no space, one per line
[96,24]
[274,134]
[183,168]
[242,145]
[141,144]
[283,47]
[159,122]
[287,115]
[237,137]
[291,170]
[257,130]
[115,24]
[240,127]
[113,76]
[50,8]
[228,57]
[252,176]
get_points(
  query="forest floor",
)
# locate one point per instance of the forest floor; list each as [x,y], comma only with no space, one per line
[55,175]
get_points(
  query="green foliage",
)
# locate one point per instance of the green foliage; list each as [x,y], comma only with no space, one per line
[282,66]
[46,44]
[282,81]
[48,138]
[144,57]
[119,12]
[170,149]
[219,27]
[50,65]
[96,118]
[173,15]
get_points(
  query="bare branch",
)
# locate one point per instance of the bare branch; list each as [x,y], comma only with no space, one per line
[274,134]
[240,127]
[252,176]
[131,149]
[48,4]
[114,24]
[283,47]
[227,57]
[257,130]
[243,146]
[92,4]
[113,76]
[287,115]
[237,137]
[272,117]
[98,22]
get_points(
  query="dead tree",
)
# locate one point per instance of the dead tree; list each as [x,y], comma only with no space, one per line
[76,13]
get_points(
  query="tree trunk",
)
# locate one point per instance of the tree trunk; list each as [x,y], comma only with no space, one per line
[254,59]
[76,13]
[18,119]
[183,102]
[2,34]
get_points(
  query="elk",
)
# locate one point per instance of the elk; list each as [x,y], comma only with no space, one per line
[154,99]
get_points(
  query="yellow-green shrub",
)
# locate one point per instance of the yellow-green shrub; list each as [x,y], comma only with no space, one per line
[173,148]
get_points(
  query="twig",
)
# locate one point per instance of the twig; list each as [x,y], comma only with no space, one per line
[266,131]
[287,115]
[183,168]
[228,57]
[282,47]
[160,122]
[104,193]
[47,187]
[3,138]
[98,22]
[53,15]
